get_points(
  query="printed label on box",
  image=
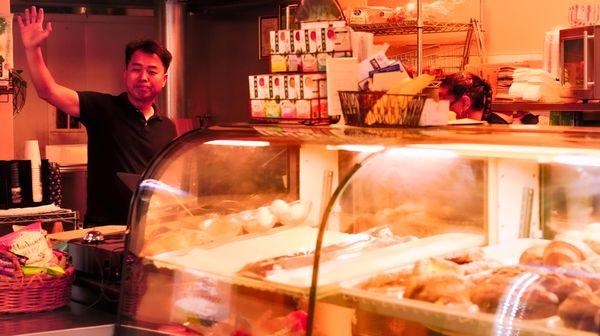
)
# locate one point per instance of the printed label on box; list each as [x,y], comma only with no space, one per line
[292,86]
[313,86]
[257,108]
[303,109]
[288,109]
[323,108]
[322,61]
[299,41]
[278,63]
[280,41]
[253,86]
[314,107]
[262,86]
[293,62]
[341,39]
[311,36]
[277,87]
[309,63]
[272,109]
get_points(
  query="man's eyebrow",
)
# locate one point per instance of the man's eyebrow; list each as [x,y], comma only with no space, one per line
[141,65]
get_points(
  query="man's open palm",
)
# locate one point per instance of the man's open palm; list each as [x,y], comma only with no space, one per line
[32,28]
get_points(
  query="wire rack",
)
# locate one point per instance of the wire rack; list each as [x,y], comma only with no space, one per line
[65,215]
[410,27]
[439,60]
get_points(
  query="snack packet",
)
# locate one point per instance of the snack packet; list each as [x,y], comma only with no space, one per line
[31,243]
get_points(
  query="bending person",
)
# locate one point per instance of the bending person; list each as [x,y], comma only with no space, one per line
[469,95]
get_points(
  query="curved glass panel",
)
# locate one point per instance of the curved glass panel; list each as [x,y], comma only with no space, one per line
[346,231]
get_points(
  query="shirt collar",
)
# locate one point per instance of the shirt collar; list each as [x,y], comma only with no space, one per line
[156,115]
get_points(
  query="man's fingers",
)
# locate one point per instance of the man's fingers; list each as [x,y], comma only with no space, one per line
[33,14]
[27,18]
[40,16]
[20,21]
[49,27]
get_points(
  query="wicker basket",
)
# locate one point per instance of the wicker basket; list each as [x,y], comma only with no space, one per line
[36,293]
[378,109]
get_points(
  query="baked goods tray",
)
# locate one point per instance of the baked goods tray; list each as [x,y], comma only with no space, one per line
[224,262]
[458,319]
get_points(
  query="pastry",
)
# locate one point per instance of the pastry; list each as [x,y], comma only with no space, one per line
[487,295]
[465,257]
[583,271]
[388,283]
[560,252]
[443,289]
[436,266]
[533,255]
[537,303]
[580,310]
[480,266]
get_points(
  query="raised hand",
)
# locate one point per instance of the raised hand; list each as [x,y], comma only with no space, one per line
[32,28]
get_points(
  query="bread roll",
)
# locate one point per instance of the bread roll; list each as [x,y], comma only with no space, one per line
[533,255]
[465,257]
[436,266]
[580,310]
[539,303]
[582,271]
[560,252]
[443,289]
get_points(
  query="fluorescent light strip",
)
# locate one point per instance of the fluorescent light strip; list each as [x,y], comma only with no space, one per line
[578,160]
[357,148]
[422,152]
[241,143]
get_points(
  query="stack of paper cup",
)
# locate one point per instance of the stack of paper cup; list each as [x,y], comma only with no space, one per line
[32,153]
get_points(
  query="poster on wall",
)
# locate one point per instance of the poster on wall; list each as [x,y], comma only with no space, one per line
[6,52]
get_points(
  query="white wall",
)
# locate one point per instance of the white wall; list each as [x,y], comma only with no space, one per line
[83,53]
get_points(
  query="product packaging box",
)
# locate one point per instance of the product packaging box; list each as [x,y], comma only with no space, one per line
[278,63]
[288,109]
[257,108]
[259,86]
[276,84]
[280,41]
[272,109]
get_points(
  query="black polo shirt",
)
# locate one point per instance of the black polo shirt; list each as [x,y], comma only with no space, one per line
[119,140]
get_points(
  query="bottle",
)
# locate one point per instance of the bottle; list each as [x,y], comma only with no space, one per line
[15,187]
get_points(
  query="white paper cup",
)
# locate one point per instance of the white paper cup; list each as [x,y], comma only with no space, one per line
[32,152]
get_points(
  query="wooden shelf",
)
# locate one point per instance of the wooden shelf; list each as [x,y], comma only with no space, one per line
[533,106]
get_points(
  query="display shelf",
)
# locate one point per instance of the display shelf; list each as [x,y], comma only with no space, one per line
[510,106]
[411,27]
[451,320]
[52,216]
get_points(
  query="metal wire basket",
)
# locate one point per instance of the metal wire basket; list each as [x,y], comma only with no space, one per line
[378,109]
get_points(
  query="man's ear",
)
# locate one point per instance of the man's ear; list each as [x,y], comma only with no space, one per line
[165,78]
[466,102]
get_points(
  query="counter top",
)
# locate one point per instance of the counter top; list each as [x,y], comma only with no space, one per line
[509,106]
[68,320]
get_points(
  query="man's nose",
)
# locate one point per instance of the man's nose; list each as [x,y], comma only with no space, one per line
[144,75]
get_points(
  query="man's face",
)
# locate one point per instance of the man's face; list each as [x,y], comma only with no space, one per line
[145,76]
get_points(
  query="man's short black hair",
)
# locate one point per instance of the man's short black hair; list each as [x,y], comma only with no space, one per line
[150,47]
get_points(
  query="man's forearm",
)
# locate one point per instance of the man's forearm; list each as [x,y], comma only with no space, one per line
[40,75]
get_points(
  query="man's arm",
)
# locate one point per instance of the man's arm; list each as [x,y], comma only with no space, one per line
[33,34]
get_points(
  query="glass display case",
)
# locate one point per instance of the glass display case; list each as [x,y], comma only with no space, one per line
[292,230]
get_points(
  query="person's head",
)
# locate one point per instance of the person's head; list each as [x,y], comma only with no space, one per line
[469,95]
[146,64]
